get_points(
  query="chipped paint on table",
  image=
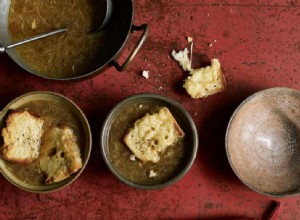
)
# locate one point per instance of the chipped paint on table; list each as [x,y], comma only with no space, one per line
[258,45]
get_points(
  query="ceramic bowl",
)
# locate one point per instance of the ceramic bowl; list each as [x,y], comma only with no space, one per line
[117,155]
[73,116]
[263,142]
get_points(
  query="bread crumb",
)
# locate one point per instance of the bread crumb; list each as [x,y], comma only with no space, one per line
[183,59]
[140,106]
[33,24]
[152,174]
[132,157]
[145,74]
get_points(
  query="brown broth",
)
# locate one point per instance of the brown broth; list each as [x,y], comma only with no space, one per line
[65,55]
[138,171]
[53,113]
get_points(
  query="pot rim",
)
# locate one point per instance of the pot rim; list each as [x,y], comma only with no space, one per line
[15,57]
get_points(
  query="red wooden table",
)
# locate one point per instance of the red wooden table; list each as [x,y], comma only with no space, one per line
[258,45]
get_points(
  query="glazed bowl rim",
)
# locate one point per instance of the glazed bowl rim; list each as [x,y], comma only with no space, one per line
[242,104]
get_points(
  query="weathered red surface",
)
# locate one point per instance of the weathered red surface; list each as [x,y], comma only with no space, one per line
[258,45]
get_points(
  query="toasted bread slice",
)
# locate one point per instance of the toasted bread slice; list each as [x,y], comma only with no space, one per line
[153,134]
[60,154]
[205,81]
[22,137]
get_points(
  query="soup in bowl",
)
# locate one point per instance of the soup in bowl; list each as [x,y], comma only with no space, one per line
[63,138]
[157,158]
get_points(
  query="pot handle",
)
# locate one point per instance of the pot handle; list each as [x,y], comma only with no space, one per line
[144,28]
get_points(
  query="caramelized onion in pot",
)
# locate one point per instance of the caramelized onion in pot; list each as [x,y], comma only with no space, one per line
[65,55]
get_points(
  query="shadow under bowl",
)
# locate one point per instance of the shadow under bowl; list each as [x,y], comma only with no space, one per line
[263,142]
[117,155]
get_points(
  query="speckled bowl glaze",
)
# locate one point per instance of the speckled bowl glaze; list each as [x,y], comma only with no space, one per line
[59,100]
[183,119]
[263,142]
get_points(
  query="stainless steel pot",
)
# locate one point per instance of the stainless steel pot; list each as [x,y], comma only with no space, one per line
[117,34]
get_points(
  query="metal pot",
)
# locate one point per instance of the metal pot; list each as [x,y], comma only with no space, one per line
[116,32]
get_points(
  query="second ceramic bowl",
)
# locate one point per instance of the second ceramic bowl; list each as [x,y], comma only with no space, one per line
[147,175]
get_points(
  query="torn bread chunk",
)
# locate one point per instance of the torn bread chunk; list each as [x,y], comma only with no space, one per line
[201,82]
[183,59]
[205,81]
[22,137]
[60,154]
[152,135]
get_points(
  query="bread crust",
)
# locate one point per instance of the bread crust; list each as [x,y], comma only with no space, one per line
[205,81]
[60,154]
[21,136]
[152,135]
[201,82]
